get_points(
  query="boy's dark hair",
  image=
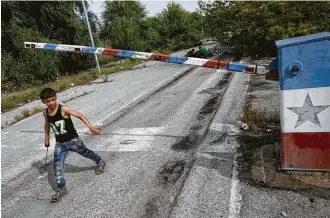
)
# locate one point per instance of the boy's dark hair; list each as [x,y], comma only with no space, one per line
[47,93]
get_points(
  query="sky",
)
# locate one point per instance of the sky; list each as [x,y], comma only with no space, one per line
[152,6]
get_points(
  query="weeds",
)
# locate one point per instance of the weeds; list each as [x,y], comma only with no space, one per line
[37,110]
[259,118]
[18,118]
[25,113]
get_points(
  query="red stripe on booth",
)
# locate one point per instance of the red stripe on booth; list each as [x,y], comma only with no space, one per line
[306,150]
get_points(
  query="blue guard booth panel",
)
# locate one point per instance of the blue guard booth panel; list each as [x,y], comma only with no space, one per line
[304,71]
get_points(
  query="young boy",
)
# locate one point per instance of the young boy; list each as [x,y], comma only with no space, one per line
[57,117]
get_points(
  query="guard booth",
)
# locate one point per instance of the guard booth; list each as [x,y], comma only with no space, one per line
[304,76]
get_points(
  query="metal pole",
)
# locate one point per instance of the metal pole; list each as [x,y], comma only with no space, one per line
[91,37]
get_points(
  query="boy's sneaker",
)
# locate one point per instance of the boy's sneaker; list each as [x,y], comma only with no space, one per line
[58,195]
[100,168]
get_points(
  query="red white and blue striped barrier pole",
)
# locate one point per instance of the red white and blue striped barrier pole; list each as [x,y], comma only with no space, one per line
[233,66]
[304,69]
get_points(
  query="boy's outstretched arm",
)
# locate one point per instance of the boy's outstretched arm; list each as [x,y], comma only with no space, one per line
[47,130]
[80,116]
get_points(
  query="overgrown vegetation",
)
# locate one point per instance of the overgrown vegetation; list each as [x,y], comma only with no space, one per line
[37,21]
[124,25]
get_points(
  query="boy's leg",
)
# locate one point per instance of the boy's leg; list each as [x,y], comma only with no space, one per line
[59,158]
[78,146]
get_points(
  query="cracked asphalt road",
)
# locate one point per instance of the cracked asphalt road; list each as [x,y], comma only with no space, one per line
[169,137]
[145,173]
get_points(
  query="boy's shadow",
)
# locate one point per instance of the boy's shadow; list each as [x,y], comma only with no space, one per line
[49,170]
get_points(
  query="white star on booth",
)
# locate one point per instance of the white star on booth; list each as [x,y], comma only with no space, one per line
[308,112]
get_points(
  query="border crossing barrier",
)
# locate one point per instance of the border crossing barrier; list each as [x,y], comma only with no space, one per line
[233,66]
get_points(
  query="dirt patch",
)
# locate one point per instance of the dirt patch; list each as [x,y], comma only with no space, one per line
[249,98]
[259,167]
[171,172]
[250,145]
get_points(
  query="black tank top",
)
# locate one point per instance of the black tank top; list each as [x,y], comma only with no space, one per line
[62,127]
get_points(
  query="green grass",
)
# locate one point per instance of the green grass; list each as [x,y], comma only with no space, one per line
[11,100]
[104,59]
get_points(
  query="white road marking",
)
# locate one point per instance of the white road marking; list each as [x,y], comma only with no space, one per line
[140,139]
[235,196]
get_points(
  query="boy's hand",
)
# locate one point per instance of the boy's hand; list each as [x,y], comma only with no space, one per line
[95,131]
[47,145]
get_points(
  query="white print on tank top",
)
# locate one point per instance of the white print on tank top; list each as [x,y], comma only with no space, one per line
[59,127]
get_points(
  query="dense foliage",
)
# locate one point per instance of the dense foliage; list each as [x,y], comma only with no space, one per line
[124,25]
[251,28]
[58,22]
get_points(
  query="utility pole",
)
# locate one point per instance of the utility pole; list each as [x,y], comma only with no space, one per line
[91,37]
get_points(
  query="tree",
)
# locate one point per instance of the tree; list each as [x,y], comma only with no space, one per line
[178,28]
[57,22]
[126,26]
[126,34]
[120,15]
[251,28]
